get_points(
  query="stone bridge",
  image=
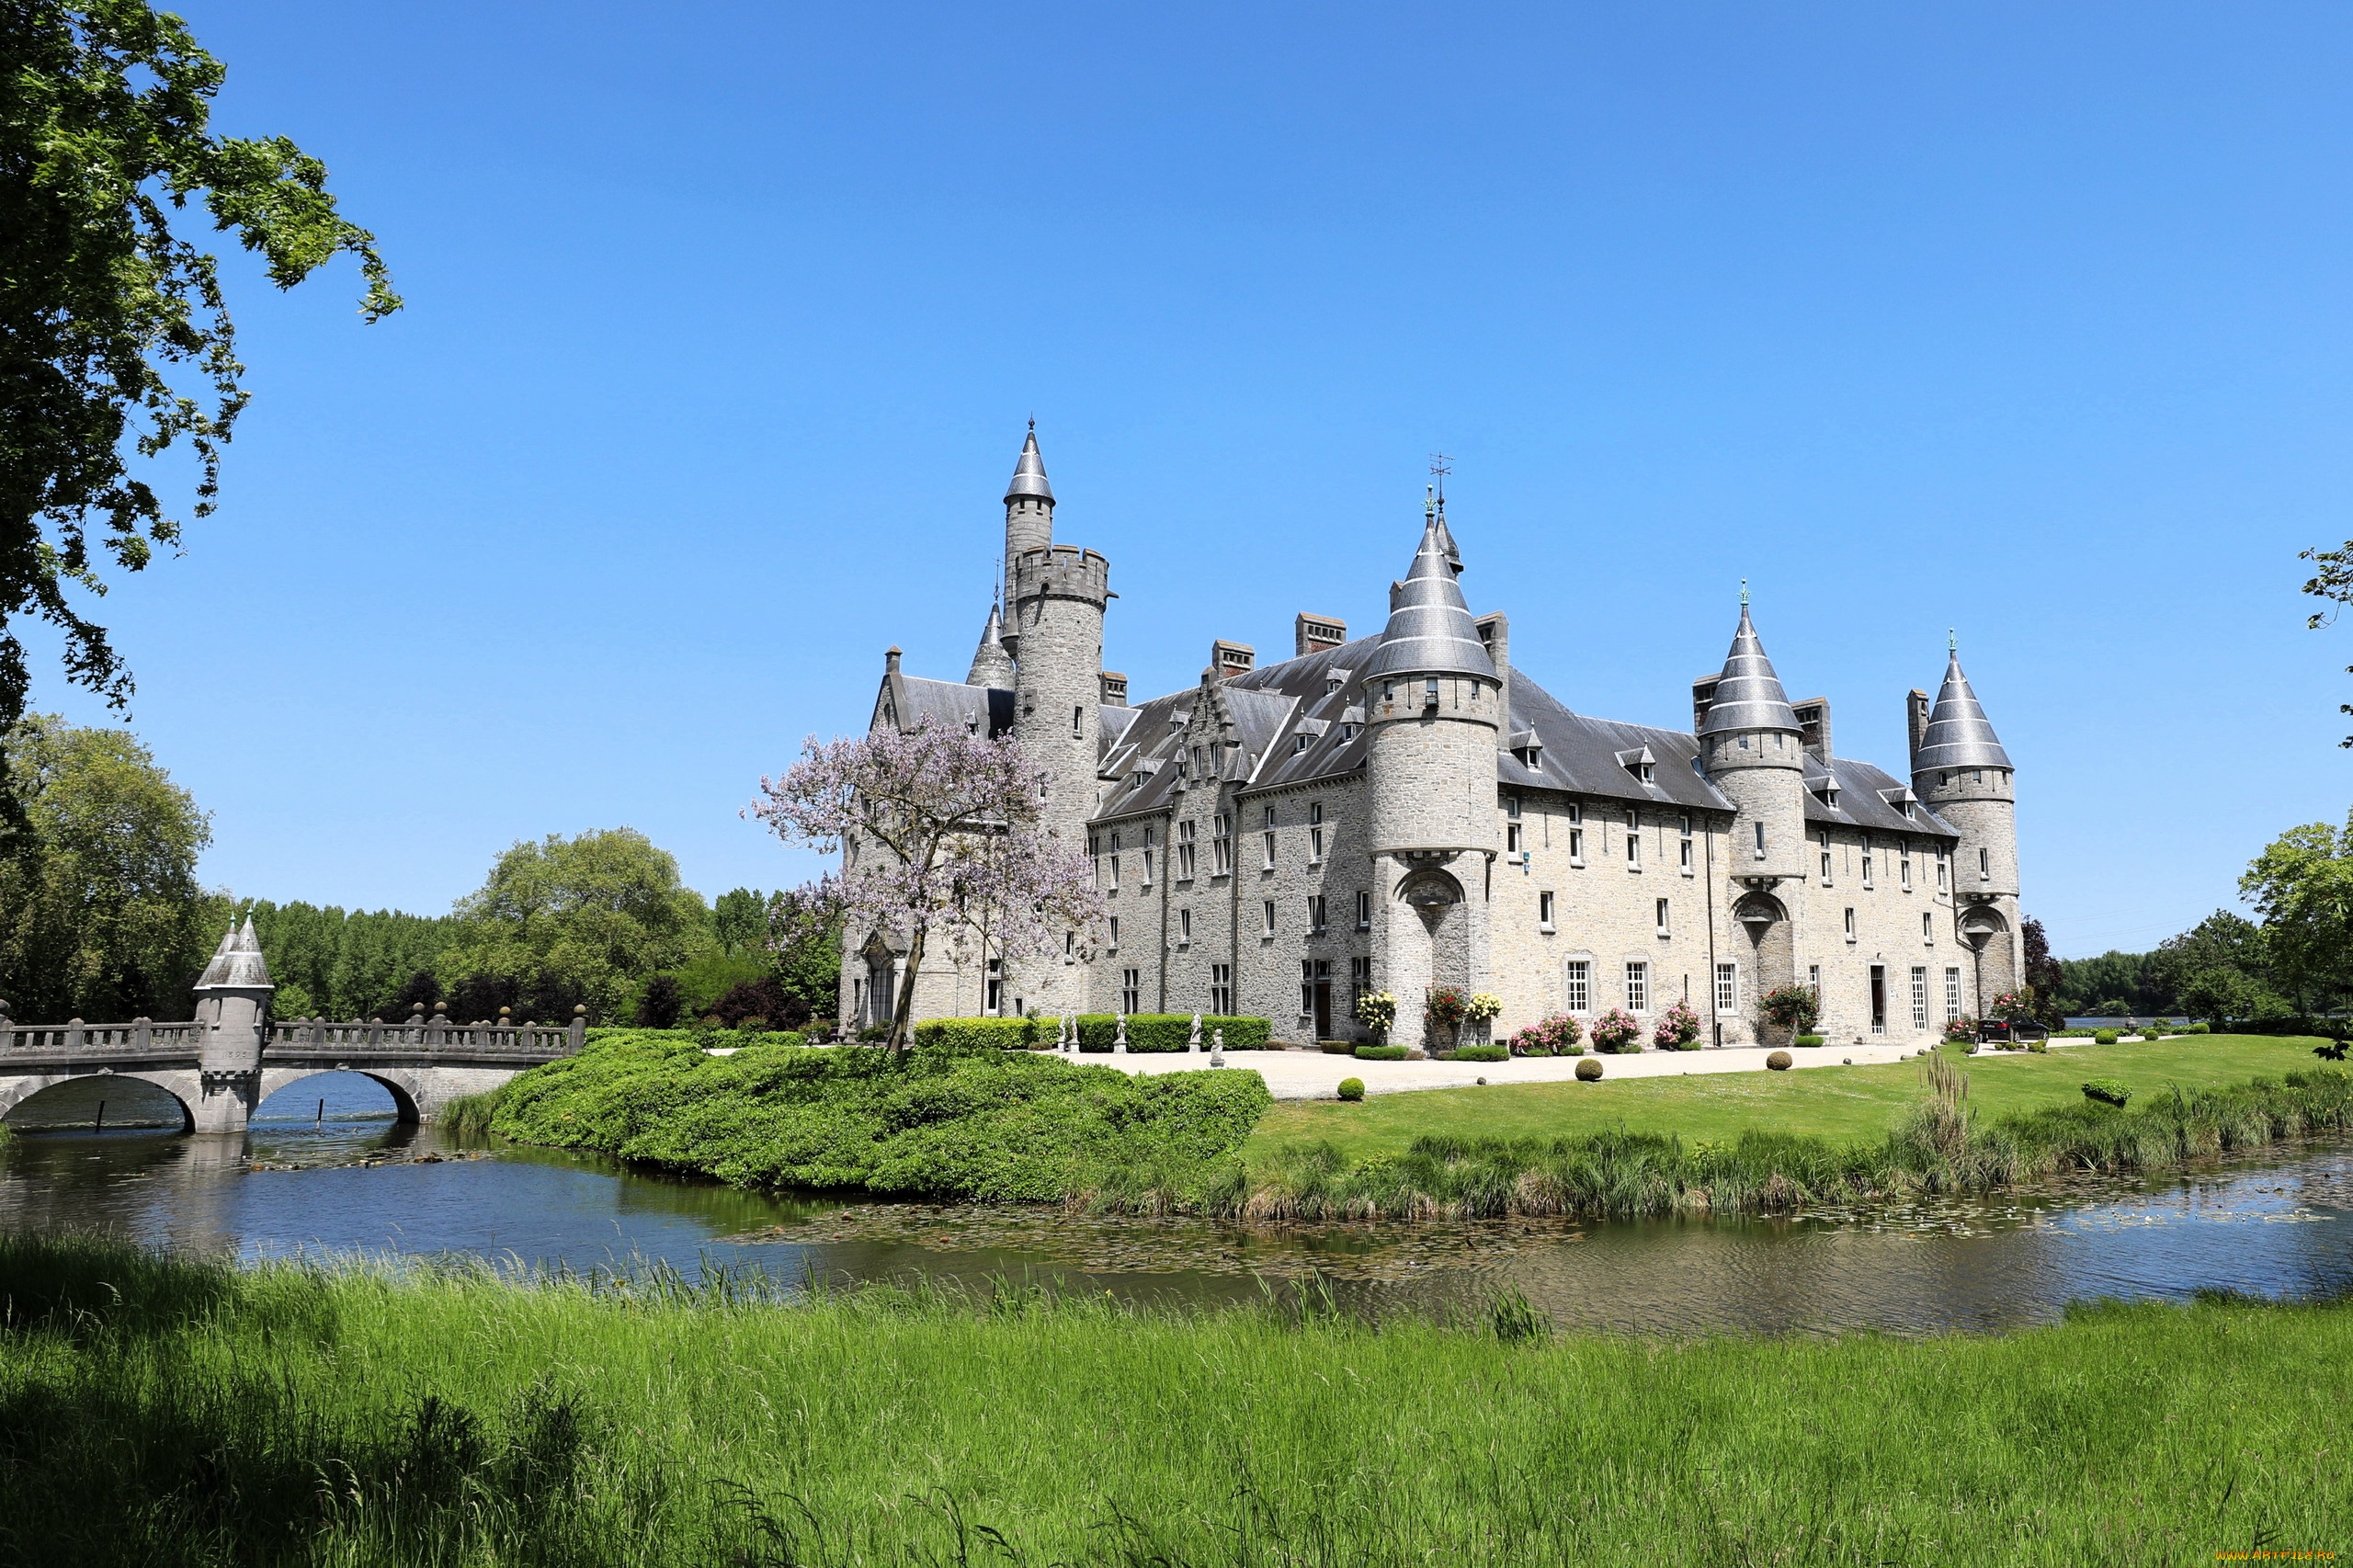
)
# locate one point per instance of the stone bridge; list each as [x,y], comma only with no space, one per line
[222,1064]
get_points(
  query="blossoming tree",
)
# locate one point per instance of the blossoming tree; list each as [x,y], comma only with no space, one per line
[942,843]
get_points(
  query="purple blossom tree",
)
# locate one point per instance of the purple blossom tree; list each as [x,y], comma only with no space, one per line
[941,846]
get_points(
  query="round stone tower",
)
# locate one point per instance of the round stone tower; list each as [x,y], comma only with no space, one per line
[232,1004]
[1059,593]
[1751,745]
[1029,521]
[1961,771]
[1433,713]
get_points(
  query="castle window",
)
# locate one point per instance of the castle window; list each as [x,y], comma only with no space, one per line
[1633,841]
[1576,846]
[1664,926]
[1314,846]
[1953,993]
[1130,990]
[1147,863]
[1985,865]
[1544,912]
[1683,854]
[1760,839]
[994,1002]
[1511,838]
[1115,934]
[1727,988]
[1511,807]
[1576,986]
[1826,857]
[1184,926]
[1744,743]
[1928,927]
[1359,981]
[1920,998]
[1113,885]
[1943,869]
[1977,775]
[1814,980]
[1866,861]
[1268,839]
[1850,922]
[1299,743]
[1077,721]
[1314,810]
[1638,986]
[1903,863]
[1269,915]
[1221,990]
[1221,845]
[1070,943]
[1316,914]
[1429,692]
[1185,851]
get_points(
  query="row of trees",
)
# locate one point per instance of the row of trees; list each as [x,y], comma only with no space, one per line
[2295,958]
[102,918]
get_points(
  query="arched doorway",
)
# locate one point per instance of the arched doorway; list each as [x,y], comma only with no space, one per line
[1771,957]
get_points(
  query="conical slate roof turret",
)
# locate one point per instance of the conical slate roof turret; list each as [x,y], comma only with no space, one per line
[237,960]
[1957,734]
[1029,474]
[1429,629]
[992,666]
[1749,694]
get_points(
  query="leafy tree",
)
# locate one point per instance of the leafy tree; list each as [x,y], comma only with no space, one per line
[739,922]
[101,913]
[2220,994]
[570,920]
[2302,886]
[659,1003]
[806,948]
[942,842]
[2045,979]
[345,965]
[104,108]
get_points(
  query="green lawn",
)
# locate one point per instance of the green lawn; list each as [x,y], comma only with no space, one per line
[1844,1104]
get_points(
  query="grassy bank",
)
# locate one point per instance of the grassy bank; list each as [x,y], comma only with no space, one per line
[1847,1105]
[992,1126]
[163,1412]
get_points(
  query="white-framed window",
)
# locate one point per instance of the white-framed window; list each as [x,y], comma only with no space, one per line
[1633,841]
[1663,910]
[1683,854]
[1759,829]
[1727,988]
[1850,922]
[1952,992]
[1364,910]
[1512,839]
[1576,844]
[1267,837]
[1638,986]
[1315,812]
[1184,926]
[1814,980]
[1185,850]
[1307,988]
[1576,986]
[1359,981]
[1511,807]
[1115,934]
[992,1002]
[1147,865]
[1929,926]
[1314,846]
[1315,913]
[1919,996]
[1268,907]
[1903,863]
[1944,869]
[1866,861]
[1826,857]
[1544,912]
[1221,990]
[1221,845]
[1131,991]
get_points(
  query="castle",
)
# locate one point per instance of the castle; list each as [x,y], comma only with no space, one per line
[1405,810]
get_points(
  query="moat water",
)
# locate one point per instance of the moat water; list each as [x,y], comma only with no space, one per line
[326,1171]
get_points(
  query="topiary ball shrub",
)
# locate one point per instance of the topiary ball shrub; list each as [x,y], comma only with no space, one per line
[1780,1062]
[2104,1037]
[1808,1040]
[1588,1070]
[2106,1091]
[1352,1088]
[1381,1053]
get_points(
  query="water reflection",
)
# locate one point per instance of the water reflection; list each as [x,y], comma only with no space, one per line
[2279,1227]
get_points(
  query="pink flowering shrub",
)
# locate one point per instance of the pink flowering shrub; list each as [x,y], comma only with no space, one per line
[1556,1036]
[1616,1031]
[1678,1029]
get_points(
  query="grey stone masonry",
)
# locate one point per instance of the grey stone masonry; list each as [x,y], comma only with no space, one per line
[1409,810]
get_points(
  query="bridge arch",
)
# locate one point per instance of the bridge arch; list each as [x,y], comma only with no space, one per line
[15,1090]
[403,1084]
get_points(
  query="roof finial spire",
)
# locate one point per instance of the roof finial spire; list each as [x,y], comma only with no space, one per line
[1952,640]
[1743,593]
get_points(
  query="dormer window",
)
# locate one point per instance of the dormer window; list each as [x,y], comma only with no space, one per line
[1333,685]
[1298,744]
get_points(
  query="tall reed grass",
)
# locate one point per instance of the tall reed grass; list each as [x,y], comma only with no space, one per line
[154,1410]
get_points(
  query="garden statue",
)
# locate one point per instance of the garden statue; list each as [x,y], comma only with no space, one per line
[1119,1037]
[1193,1037]
[1217,1048]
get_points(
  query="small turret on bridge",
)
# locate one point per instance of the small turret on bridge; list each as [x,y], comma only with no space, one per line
[232,1057]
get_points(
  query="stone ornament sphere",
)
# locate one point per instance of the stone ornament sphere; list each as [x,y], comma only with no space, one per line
[1588,1070]
[1779,1062]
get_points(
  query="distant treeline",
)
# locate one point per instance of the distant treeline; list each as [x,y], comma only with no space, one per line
[356,964]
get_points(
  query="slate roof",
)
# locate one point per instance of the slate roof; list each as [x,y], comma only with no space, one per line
[1957,734]
[1749,695]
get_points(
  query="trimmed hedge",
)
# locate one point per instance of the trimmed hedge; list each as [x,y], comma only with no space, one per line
[1167,1031]
[1588,1070]
[973,1126]
[982,1034]
[1478,1053]
[2107,1091]
[1808,1040]
[1381,1053]
[1352,1088]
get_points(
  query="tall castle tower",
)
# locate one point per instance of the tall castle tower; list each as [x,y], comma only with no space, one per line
[1960,769]
[1434,712]
[1057,595]
[1751,745]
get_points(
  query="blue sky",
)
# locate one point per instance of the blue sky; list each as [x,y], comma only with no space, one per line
[724,320]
